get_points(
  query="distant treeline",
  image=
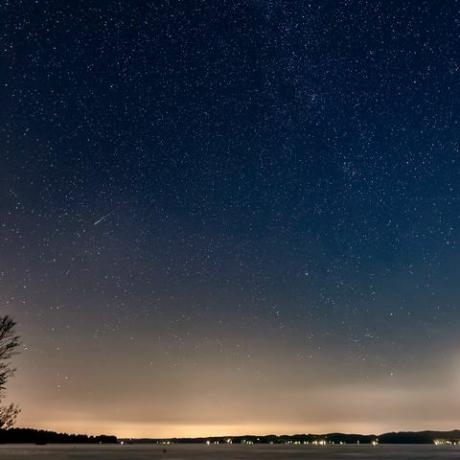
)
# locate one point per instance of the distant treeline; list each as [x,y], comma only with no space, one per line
[26,435]
[407,437]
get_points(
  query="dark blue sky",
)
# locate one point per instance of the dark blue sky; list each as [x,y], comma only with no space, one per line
[250,186]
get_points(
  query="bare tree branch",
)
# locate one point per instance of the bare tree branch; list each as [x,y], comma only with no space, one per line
[9,342]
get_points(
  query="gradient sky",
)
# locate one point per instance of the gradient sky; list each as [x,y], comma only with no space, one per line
[228,216]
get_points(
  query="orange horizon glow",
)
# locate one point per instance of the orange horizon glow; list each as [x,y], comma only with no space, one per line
[137,432]
[217,402]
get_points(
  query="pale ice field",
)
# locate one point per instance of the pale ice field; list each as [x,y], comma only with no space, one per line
[254,452]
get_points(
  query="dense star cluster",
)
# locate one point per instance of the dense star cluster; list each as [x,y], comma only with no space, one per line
[223,209]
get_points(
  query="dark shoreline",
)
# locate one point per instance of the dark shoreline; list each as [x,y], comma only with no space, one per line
[31,436]
[403,437]
[41,437]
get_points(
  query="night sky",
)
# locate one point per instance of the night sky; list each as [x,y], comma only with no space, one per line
[231,216]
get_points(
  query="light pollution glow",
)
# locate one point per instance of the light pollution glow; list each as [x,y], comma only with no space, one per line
[231,217]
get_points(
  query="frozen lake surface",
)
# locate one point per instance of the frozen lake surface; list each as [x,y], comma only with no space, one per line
[254,452]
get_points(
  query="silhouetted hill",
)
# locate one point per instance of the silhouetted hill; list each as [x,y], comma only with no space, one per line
[27,435]
[406,437]
[418,437]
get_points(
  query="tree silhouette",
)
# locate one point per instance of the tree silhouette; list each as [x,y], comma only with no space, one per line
[9,342]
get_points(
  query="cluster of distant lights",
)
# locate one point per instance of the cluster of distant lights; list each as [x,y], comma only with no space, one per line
[446,442]
[316,442]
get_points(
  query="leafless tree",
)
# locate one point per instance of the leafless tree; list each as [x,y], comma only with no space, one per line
[9,343]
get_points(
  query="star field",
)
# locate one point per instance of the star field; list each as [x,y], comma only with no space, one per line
[238,215]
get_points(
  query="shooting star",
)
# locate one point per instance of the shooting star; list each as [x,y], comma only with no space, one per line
[101,219]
